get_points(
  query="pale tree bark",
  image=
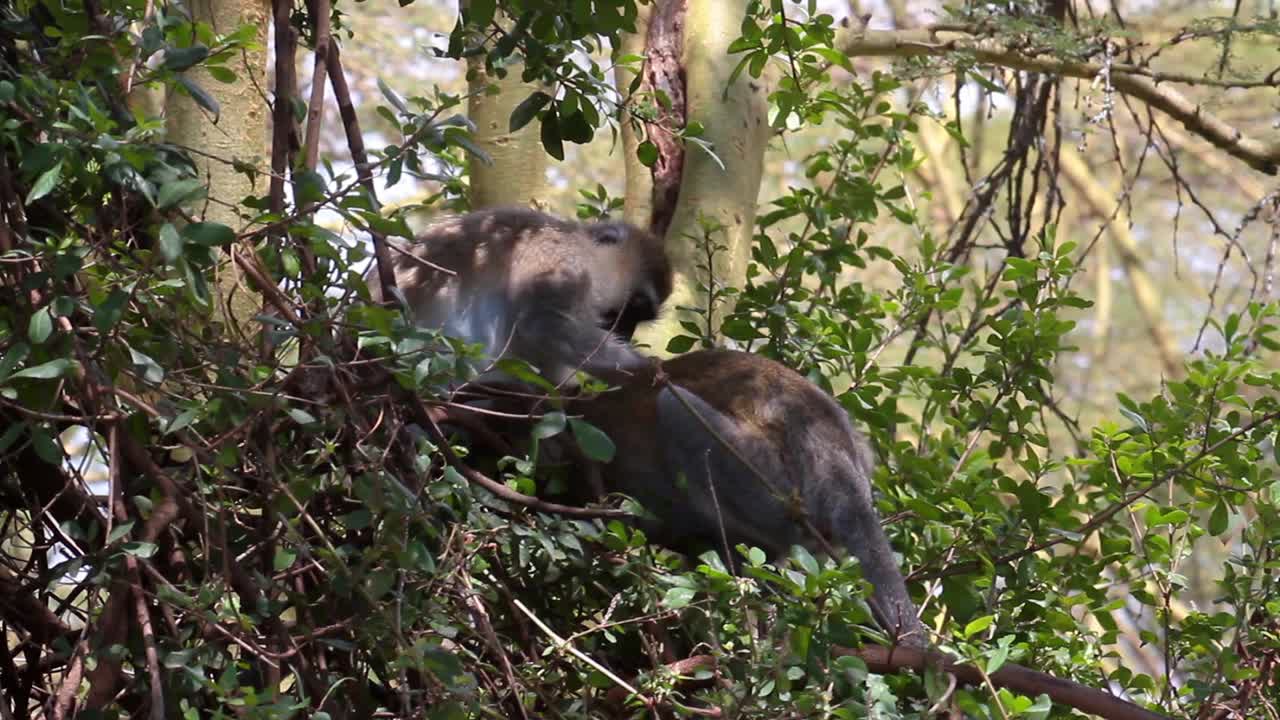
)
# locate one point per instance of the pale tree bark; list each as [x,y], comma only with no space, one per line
[1103,203]
[637,197]
[518,173]
[734,116]
[939,175]
[238,133]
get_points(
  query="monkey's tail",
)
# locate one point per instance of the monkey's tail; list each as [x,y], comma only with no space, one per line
[855,524]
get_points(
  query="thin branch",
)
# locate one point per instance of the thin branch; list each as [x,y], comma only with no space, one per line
[1142,83]
[355,141]
[320,10]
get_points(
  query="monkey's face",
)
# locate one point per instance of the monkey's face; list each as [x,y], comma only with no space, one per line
[622,322]
[633,277]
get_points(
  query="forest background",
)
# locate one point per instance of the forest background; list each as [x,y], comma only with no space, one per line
[1030,247]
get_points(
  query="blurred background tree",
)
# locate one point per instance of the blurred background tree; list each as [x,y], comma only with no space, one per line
[986,228]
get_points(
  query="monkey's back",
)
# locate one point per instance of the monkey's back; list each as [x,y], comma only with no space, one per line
[730,448]
[796,441]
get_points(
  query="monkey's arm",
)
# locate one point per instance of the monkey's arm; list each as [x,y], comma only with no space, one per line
[560,343]
[559,331]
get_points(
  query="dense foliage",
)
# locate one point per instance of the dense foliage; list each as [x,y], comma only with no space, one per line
[275,532]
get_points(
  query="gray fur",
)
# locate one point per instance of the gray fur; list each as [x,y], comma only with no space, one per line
[712,477]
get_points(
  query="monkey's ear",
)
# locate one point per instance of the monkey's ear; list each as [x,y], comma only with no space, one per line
[608,233]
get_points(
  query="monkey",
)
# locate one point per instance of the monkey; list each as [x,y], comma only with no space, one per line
[559,294]
[723,447]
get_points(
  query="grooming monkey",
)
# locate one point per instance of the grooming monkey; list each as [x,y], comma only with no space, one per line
[560,294]
[725,447]
[563,294]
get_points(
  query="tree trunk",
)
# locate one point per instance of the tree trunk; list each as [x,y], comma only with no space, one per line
[637,207]
[735,120]
[238,133]
[518,173]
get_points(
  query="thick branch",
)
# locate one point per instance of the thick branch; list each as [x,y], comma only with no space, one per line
[283,131]
[1142,83]
[320,10]
[21,608]
[1011,676]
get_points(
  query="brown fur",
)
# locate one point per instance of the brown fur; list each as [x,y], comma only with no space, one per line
[806,468]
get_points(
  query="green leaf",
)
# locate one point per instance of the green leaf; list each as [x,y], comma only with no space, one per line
[221,74]
[479,13]
[575,128]
[209,234]
[45,371]
[393,97]
[681,344]
[107,314]
[462,138]
[40,326]
[302,417]
[999,655]
[549,425]
[527,110]
[151,370]
[179,59]
[45,183]
[594,443]
[1218,519]
[119,531]
[202,98]
[179,191]
[647,153]
[551,135]
[13,358]
[45,446]
[11,434]
[170,243]
[139,549]
[976,626]
[678,597]
[1233,324]
[805,559]
[284,557]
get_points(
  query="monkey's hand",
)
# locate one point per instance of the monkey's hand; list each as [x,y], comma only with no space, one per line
[660,377]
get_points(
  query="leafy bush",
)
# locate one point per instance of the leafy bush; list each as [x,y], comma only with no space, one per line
[268,533]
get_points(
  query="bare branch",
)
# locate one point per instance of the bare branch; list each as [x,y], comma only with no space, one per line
[1140,82]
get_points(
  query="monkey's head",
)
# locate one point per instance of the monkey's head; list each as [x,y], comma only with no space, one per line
[634,276]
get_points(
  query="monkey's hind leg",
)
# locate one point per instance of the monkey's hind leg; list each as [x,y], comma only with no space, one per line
[732,479]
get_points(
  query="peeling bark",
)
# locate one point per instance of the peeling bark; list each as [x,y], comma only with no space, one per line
[722,189]
[664,75]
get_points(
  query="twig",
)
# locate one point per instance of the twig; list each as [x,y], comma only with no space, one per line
[1142,83]
[497,488]
[562,644]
